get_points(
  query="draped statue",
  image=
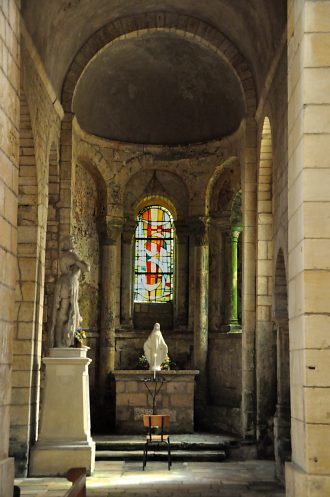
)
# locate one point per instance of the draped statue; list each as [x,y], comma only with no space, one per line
[66,318]
[155,348]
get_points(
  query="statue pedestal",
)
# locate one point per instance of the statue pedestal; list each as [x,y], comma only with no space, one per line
[65,436]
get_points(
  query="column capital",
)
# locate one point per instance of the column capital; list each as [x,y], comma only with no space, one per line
[200,229]
[235,235]
[222,222]
[113,228]
[128,230]
[181,231]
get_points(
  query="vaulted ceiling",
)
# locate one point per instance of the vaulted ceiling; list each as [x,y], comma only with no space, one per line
[158,86]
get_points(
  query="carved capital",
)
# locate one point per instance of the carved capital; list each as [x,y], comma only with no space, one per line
[128,231]
[221,222]
[235,236]
[200,230]
[113,228]
[181,231]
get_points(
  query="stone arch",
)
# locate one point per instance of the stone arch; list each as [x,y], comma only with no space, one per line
[265,332]
[161,21]
[282,420]
[221,174]
[170,190]
[156,182]
[26,353]
[221,190]
[101,186]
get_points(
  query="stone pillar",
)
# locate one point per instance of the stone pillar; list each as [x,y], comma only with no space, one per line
[64,439]
[110,298]
[282,425]
[249,205]
[181,275]
[9,149]
[233,322]
[127,274]
[201,273]
[216,275]
[309,241]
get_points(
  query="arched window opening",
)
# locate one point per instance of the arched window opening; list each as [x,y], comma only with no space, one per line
[154,255]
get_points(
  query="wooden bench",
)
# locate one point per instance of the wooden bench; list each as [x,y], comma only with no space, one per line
[78,478]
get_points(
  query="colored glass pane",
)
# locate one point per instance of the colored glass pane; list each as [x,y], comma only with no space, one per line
[154,253]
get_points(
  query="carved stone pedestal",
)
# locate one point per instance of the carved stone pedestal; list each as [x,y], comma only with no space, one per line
[65,435]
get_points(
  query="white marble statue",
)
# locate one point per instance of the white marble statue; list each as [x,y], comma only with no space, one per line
[155,348]
[66,317]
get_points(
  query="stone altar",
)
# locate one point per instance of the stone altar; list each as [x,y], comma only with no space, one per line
[176,398]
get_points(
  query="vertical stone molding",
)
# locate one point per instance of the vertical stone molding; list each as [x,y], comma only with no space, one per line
[216,275]
[127,274]
[66,177]
[309,237]
[111,260]
[181,275]
[200,229]
[249,204]
[9,153]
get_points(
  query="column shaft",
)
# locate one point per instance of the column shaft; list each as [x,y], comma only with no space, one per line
[110,300]
[127,276]
[201,273]
[181,276]
[234,325]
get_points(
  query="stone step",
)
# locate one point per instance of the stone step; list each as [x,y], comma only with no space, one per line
[184,447]
[155,455]
[113,446]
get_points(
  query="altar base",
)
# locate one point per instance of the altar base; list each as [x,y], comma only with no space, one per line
[176,398]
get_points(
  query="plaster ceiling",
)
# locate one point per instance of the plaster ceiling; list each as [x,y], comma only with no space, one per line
[158,88]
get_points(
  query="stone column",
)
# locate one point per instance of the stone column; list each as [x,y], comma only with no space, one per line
[249,205]
[181,275]
[309,241]
[216,259]
[282,425]
[127,274]
[233,322]
[201,273]
[110,298]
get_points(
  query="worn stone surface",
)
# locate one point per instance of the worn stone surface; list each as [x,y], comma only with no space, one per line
[175,397]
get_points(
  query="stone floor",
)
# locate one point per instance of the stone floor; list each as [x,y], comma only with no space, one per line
[186,479]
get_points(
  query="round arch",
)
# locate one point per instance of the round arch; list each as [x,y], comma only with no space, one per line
[265,331]
[182,25]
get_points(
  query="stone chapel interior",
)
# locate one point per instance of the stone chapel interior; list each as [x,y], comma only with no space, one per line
[201,128]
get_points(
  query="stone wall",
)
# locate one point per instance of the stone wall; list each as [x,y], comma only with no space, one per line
[39,130]
[309,242]
[175,397]
[85,232]
[225,381]
[9,129]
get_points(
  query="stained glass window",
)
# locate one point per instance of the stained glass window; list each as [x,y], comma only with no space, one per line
[154,251]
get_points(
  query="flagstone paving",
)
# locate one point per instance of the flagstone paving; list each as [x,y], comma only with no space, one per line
[186,479]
